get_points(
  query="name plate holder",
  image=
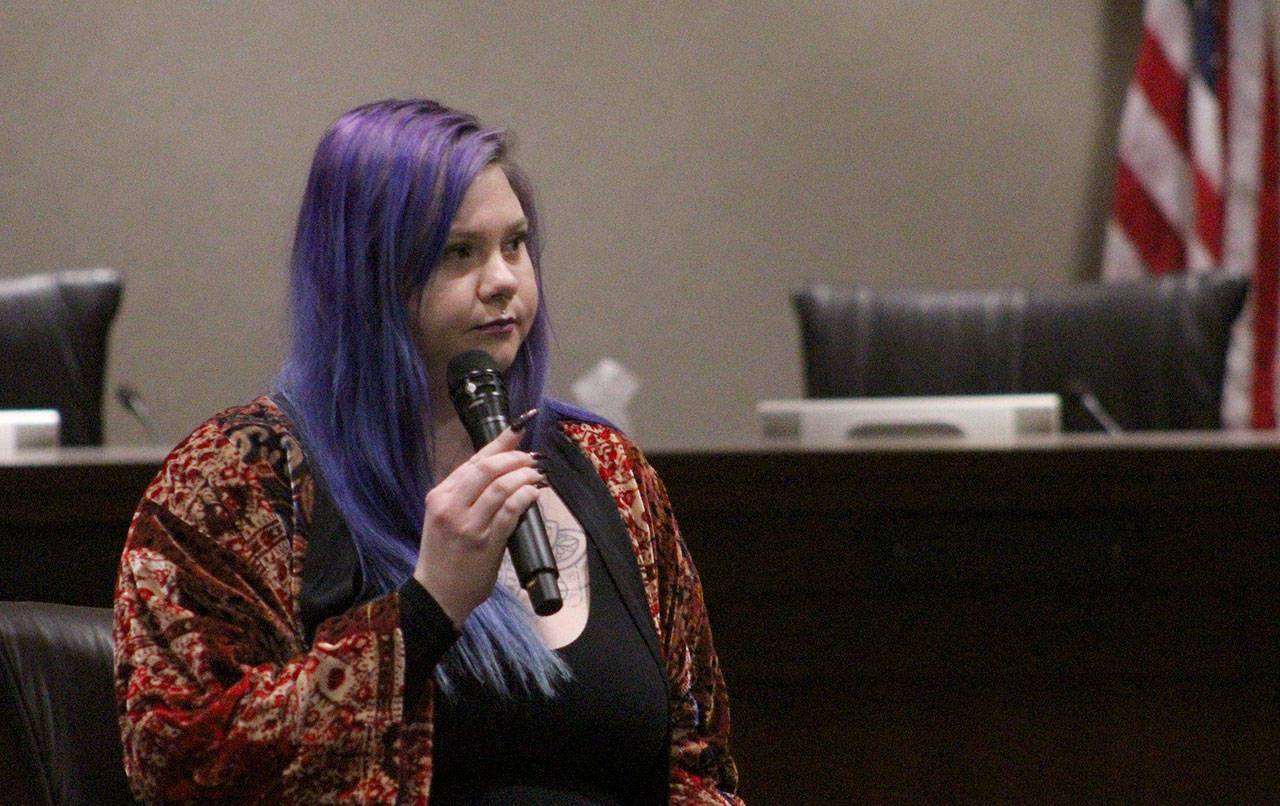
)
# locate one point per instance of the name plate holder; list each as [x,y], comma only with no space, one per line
[844,422]
[27,429]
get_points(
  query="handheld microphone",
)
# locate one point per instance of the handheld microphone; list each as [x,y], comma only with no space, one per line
[480,398]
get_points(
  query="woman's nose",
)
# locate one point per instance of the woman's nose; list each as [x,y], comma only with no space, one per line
[498,277]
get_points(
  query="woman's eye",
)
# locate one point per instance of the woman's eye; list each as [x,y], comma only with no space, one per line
[457,252]
[514,244]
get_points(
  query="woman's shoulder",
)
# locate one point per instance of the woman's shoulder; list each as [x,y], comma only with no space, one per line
[610,449]
[580,424]
[255,438]
[262,412]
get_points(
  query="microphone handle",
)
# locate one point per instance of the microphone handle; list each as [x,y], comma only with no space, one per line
[535,564]
[528,545]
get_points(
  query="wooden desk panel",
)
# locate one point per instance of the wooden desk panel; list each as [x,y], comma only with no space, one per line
[1072,620]
[64,515]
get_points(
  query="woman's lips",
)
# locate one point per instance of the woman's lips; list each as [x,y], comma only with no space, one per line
[497,326]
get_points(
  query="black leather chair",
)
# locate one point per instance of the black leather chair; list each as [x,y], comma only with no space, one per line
[53,346]
[1152,352]
[59,739]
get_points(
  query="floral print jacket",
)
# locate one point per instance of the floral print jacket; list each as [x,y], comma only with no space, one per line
[221,699]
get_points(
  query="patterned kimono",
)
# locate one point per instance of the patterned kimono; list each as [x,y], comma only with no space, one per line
[222,700]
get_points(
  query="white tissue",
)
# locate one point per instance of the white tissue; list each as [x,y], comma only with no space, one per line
[607,389]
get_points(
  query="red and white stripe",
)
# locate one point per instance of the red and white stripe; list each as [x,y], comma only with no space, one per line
[1196,184]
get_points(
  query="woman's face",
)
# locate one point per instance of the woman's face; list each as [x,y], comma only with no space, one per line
[483,294]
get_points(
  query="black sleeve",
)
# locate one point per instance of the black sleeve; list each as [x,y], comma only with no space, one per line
[428,633]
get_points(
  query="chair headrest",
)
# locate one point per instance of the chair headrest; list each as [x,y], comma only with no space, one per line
[1153,351]
[53,345]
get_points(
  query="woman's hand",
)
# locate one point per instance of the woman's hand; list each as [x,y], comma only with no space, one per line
[470,515]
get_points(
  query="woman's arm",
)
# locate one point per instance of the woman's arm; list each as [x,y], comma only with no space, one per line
[219,701]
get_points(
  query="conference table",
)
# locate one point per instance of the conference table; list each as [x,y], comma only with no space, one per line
[1067,618]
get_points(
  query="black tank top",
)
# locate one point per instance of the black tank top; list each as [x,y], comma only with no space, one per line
[602,740]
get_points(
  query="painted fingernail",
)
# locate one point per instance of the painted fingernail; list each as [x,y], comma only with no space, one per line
[523,420]
[542,484]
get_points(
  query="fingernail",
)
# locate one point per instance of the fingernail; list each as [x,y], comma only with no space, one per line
[520,422]
[542,484]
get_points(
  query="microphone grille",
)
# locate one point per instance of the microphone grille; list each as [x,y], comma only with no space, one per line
[468,363]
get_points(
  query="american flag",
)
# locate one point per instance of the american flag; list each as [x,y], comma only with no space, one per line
[1196,180]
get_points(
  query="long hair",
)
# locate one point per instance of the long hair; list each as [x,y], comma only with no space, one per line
[385,184]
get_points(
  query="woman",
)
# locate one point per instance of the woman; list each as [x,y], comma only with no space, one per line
[313,604]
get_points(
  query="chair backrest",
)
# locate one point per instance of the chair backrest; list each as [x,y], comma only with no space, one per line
[57,700]
[1153,352]
[53,346]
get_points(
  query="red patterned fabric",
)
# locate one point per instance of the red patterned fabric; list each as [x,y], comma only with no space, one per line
[220,701]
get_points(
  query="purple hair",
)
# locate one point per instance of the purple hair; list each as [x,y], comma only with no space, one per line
[385,184]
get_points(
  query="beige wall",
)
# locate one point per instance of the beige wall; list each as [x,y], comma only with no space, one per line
[695,160]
